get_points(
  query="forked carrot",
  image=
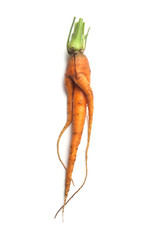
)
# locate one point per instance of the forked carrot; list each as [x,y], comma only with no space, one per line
[80,95]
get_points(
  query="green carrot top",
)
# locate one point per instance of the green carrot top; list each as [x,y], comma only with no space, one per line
[77,41]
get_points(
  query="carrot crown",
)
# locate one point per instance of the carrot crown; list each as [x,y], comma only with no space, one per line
[77,41]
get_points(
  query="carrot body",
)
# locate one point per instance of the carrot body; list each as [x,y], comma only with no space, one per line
[78,71]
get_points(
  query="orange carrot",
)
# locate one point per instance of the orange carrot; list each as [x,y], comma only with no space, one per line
[80,95]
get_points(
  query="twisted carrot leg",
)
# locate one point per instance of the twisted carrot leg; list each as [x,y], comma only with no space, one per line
[69,88]
[82,82]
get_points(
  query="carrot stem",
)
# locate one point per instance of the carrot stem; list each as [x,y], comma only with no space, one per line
[68,40]
[77,41]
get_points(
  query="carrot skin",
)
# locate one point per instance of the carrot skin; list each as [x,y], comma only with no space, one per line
[69,87]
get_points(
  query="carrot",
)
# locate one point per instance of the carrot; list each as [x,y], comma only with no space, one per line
[80,95]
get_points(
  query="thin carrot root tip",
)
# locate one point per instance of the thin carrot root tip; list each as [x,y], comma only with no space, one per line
[80,97]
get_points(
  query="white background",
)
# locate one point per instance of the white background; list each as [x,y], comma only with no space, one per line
[120,199]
